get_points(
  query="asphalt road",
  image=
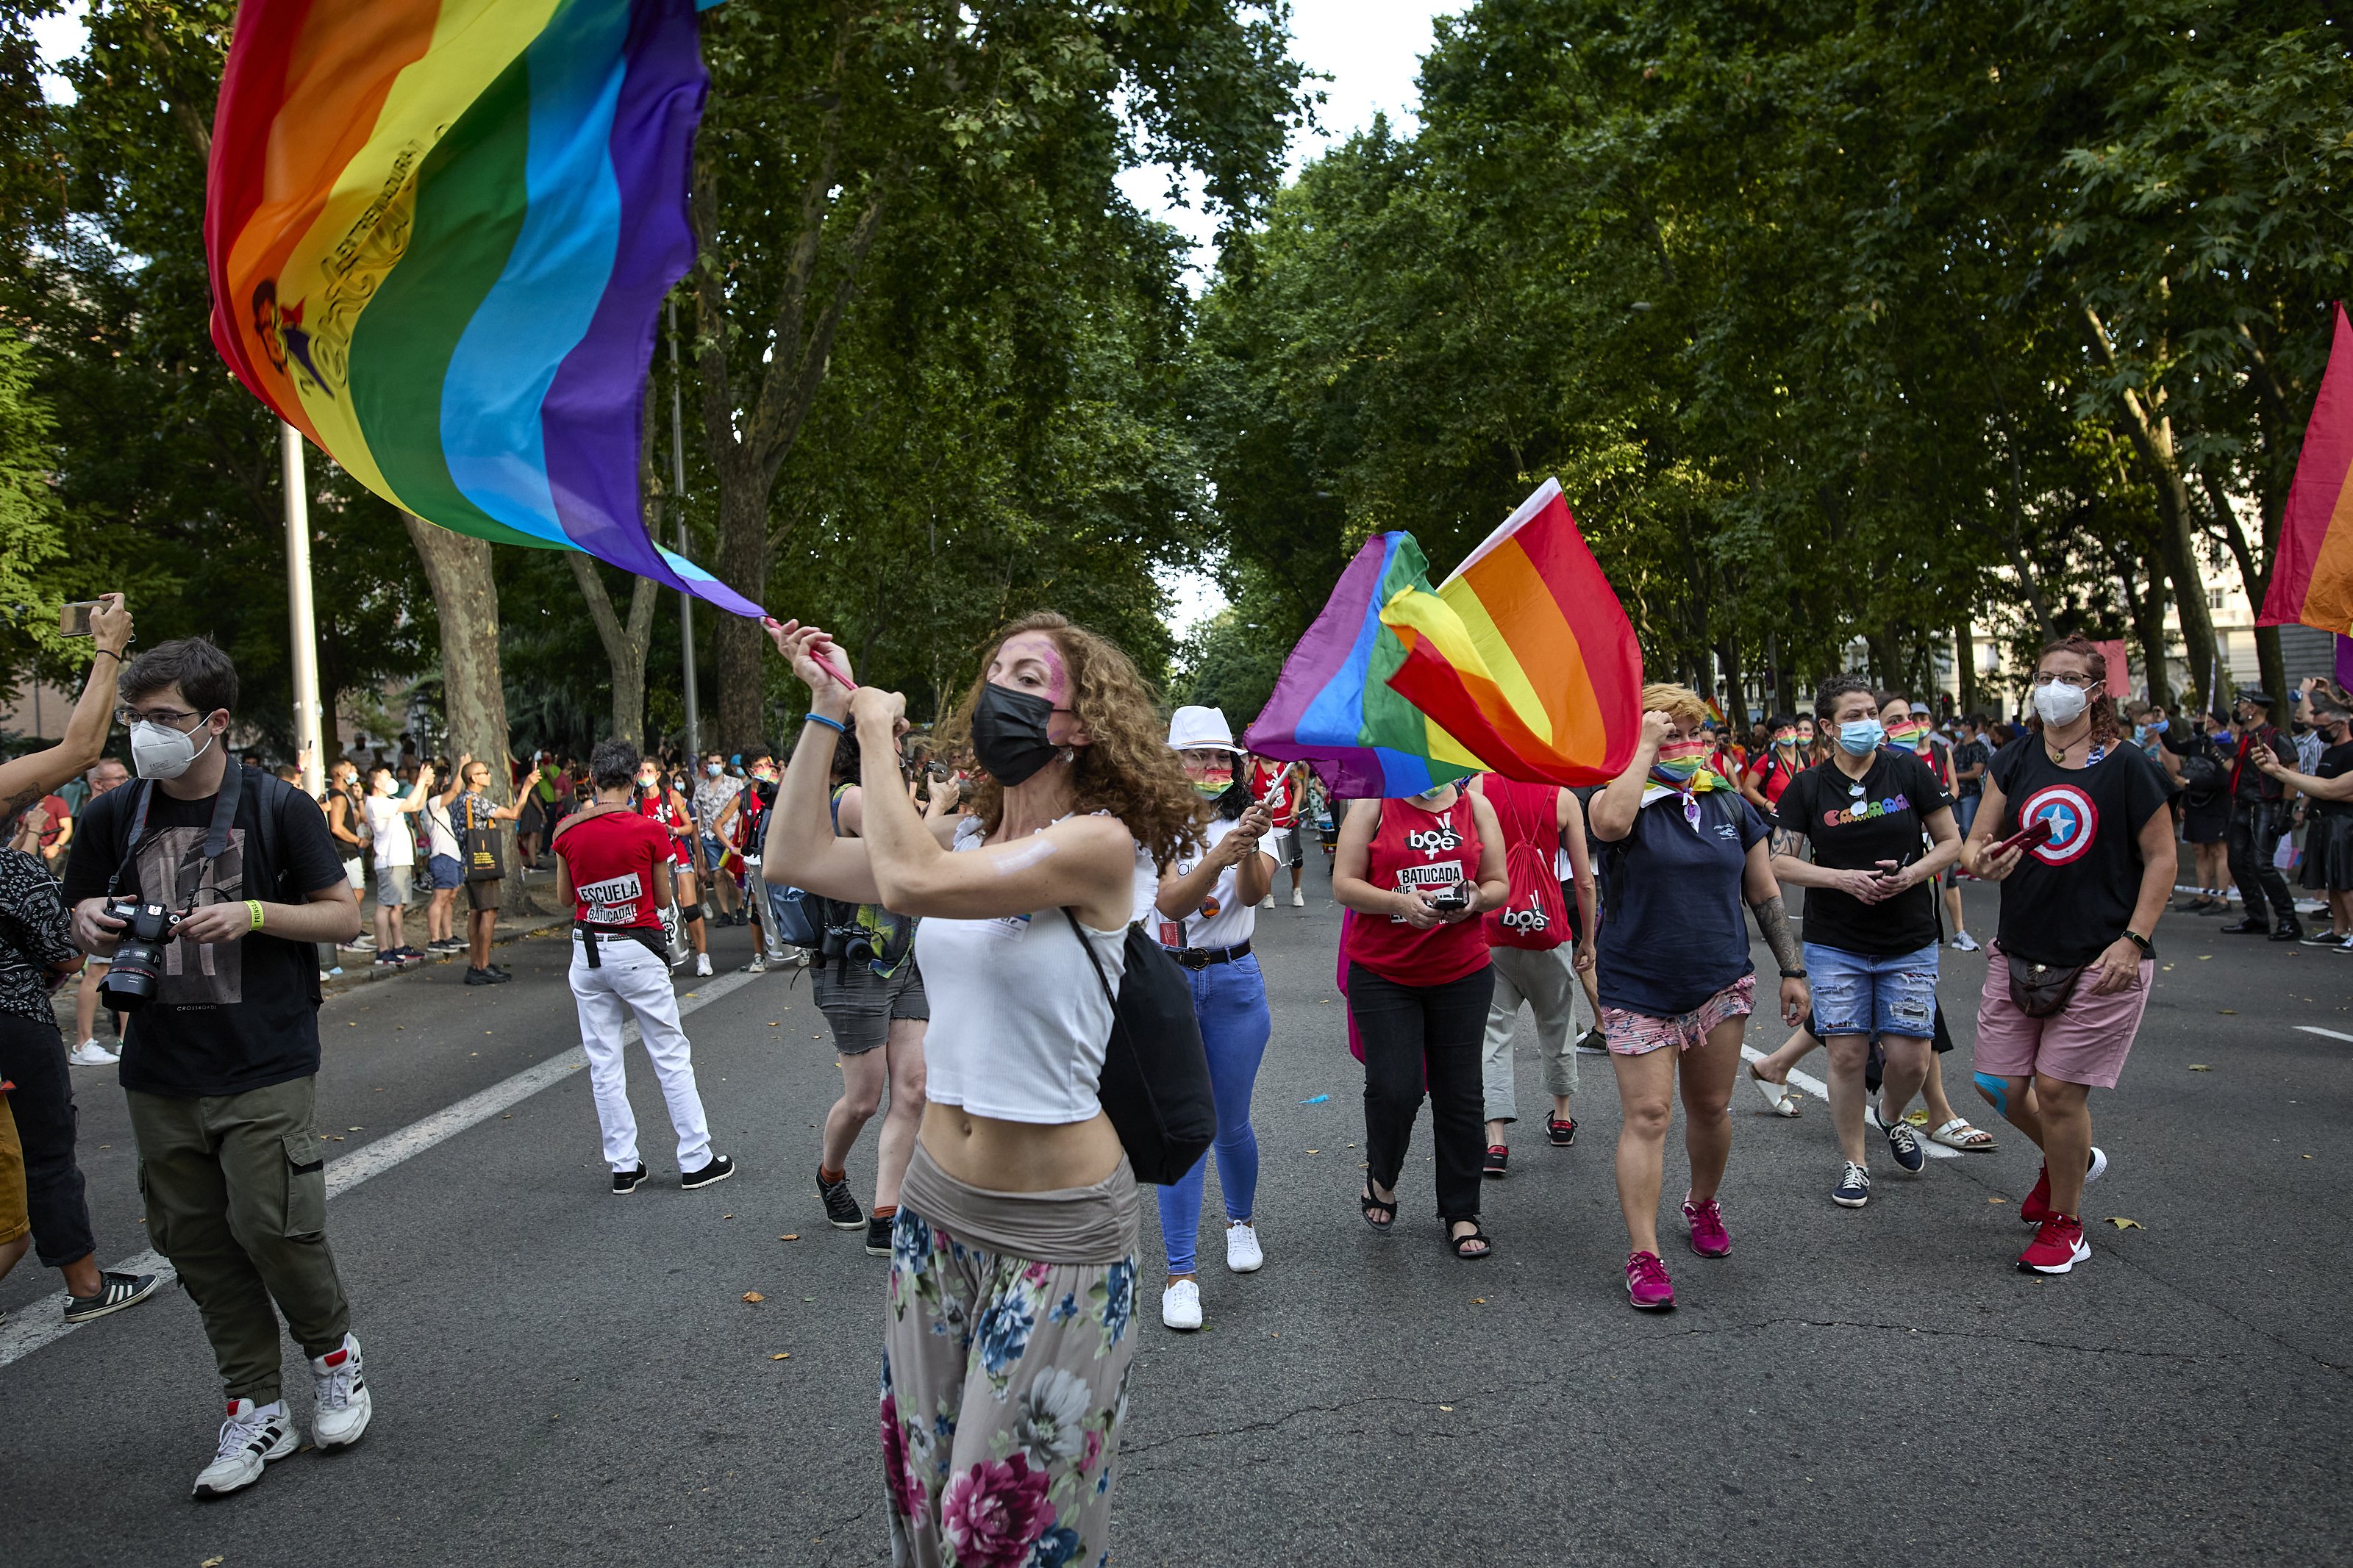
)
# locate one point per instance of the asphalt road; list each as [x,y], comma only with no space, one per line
[562,1377]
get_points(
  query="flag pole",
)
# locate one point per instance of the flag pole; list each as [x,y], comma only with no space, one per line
[304,630]
[678,500]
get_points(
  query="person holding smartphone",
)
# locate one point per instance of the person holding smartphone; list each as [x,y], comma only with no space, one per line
[1870,917]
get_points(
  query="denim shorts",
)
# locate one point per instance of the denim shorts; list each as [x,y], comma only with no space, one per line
[443,874]
[1857,993]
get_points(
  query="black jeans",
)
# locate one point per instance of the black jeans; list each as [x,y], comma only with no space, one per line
[1414,1034]
[32,1056]
[2255,829]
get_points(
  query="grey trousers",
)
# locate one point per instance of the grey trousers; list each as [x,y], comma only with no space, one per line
[236,1198]
[1545,980]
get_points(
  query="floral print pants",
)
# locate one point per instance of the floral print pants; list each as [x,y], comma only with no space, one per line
[1004,1389]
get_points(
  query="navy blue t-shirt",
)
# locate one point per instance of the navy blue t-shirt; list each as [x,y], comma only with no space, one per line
[1673,930]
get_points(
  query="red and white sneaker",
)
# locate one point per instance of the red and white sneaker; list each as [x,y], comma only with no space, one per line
[2057,1248]
[2037,1206]
[1648,1289]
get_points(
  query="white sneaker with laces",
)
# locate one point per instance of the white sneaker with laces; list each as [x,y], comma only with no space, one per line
[91,1054]
[1243,1254]
[759,966]
[1964,943]
[252,1437]
[1180,1306]
[703,963]
[340,1406]
[1267,903]
[1298,899]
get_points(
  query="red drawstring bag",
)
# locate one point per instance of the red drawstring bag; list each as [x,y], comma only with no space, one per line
[1533,915]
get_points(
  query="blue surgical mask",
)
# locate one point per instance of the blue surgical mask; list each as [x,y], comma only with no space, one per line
[1861,737]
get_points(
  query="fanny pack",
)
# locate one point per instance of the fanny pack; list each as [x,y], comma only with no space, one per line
[2039,990]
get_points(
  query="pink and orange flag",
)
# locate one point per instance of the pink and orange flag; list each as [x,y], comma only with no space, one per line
[2312,574]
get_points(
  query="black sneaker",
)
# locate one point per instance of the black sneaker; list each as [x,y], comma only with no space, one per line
[2250,926]
[498,968]
[626,1182]
[1592,1044]
[487,977]
[841,1210]
[1905,1144]
[878,1237]
[2323,939]
[1499,1159]
[2289,930]
[719,1169]
[1562,1133]
[115,1292]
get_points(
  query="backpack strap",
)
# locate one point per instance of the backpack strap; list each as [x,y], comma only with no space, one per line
[1094,963]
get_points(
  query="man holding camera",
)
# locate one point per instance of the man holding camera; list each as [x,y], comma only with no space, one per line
[209,887]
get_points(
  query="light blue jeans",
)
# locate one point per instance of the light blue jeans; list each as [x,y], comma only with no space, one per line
[1229,1000]
[1861,994]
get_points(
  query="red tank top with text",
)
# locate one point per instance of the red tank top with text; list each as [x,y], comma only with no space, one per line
[1413,848]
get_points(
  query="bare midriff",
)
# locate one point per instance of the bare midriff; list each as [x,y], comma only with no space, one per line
[1019,1156]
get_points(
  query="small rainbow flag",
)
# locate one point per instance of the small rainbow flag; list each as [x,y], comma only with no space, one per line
[1521,662]
[2312,573]
[1333,707]
[1524,654]
[438,233]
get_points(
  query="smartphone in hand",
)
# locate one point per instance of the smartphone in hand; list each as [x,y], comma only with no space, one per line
[2037,832]
[73,620]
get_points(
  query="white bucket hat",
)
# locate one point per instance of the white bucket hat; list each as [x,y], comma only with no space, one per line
[1201,729]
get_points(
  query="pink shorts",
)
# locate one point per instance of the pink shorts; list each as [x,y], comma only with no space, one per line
[2084,1042]
[1638,1034]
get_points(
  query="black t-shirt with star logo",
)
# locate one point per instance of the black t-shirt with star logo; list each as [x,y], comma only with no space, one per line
[2070,899]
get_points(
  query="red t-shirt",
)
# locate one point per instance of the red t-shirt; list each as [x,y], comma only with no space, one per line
[1416,849]
[1263,775]
[55,808]
[612,857]
[655,806]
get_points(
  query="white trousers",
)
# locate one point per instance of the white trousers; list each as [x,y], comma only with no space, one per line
[1546,980]
[632,979]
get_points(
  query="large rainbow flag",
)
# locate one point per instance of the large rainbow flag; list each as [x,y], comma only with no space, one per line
[1521,662]
[2312,573]
[438,233]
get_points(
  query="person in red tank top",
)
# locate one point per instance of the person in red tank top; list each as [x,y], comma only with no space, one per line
[658,803]
[1418,985]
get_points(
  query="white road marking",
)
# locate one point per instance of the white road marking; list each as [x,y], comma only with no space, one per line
[1821,1092]
[44,1322]
[2315,1029]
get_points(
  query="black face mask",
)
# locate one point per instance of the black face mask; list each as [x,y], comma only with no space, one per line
[1008,733]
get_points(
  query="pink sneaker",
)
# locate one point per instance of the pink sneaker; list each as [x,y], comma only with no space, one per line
[2057,1248]
[1708,1237]
[1648,1289]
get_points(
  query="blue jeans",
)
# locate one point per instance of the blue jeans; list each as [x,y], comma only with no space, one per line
[1230,999]
[1965,812]
[1858,994]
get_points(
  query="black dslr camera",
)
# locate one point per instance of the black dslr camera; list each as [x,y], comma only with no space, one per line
[138,962]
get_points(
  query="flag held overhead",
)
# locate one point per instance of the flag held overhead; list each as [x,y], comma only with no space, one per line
[2312,574]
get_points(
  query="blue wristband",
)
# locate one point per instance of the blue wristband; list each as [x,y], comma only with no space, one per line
[836,725]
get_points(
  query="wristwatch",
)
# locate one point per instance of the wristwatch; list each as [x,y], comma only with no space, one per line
[2147,948]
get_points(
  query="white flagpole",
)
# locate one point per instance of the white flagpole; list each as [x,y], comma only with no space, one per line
[305,629]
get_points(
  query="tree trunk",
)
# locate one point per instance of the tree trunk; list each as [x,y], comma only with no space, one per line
[1885,663]
[474,698]
[1965,665]
[743,560]
[625,643]
[2147,612]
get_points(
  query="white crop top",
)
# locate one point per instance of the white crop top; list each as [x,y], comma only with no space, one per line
[1018,1021]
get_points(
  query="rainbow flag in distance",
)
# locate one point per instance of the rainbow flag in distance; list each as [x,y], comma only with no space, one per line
[438,233]
[1332,705]
[2312,574]
[1525,655]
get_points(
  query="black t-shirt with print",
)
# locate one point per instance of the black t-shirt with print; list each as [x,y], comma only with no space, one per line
[225,1016]
[1853,827]
[2070,899]
[2335,761]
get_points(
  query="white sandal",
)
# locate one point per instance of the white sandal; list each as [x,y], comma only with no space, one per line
[1779,1101]
[1958,1134]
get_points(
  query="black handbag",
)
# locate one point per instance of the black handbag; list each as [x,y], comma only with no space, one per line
[1155,1074]
[2039,990]
[480,847]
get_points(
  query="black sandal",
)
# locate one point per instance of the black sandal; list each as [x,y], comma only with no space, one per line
[1457,1243]
[1373,1205]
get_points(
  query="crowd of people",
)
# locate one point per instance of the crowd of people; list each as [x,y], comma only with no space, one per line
[970,905]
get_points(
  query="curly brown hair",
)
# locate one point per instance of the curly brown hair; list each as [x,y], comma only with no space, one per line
[1128,769]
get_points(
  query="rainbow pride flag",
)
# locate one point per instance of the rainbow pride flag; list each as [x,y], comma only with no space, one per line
[1333,707]
[2312,573]
[1524,654]
[439,232]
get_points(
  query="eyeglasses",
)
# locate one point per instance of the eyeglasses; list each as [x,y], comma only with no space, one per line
[171,718]
[2045,677]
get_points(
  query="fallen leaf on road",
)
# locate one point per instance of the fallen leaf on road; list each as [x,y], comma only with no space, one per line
[1478,1300]
[1917,1117]
[753,1296]
[354,1129]
[1315,1150]
[2123,1224]
[2204,956]
[2199,1067]
[212,1563]
[1447,1408]
[2227,1012]
[782,1355]
[1997,1200]
[727,1216]
[794,1236]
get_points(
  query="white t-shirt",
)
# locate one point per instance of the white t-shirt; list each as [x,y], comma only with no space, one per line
[389,830]
[439,829]
[1222,920]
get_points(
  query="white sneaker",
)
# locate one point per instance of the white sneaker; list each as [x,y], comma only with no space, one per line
[1243,1254]
[759,966]
[1964,943]
[1180,1306]
[703,963]
[252,1437]
[1298,899]
[91,1054]
[340,1404]
[1267,903]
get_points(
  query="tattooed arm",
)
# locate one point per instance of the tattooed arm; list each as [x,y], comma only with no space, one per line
[1773,921]
[27,778]
[1763,894]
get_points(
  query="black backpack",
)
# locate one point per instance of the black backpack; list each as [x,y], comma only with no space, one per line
[2203,776]
[1155,1074]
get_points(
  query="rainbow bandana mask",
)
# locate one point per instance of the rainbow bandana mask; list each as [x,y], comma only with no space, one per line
[1909,733]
